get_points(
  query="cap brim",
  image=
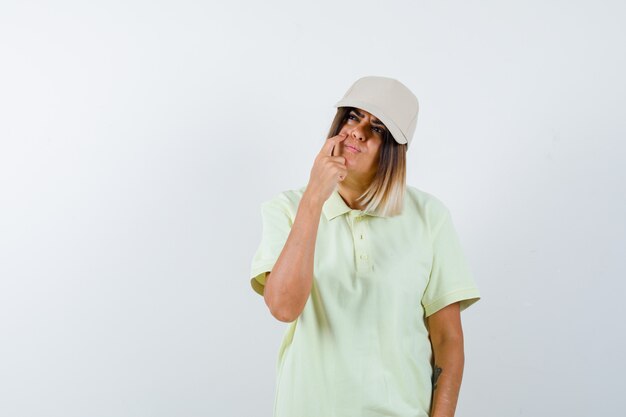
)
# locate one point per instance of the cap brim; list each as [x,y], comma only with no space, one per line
[395,131]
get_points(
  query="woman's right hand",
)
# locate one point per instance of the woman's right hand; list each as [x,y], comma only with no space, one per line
[327,171]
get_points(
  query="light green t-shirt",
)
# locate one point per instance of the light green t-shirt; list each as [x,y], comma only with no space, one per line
[360,347]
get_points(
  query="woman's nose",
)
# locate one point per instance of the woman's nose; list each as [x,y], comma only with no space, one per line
[357,133]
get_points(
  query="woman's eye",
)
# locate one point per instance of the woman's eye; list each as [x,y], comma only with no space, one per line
[375,128]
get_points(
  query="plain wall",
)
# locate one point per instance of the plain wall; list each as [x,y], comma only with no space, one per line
[138,140]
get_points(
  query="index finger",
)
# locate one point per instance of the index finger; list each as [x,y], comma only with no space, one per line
[329,146]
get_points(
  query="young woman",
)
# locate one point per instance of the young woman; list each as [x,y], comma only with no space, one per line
[368,272]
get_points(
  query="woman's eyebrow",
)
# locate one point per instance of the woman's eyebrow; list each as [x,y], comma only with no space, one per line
[374,120]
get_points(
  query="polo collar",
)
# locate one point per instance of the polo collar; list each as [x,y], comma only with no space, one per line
[335,206]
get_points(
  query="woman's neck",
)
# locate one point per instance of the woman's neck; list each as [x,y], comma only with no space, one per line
[350,195]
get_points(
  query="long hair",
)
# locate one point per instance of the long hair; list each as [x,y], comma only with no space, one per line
[385,194]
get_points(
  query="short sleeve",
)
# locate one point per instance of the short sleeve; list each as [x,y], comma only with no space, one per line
[450,277]
[277,223]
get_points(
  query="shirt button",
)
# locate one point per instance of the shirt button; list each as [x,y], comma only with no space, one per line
[363,256]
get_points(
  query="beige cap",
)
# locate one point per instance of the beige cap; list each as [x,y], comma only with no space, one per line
[387,99]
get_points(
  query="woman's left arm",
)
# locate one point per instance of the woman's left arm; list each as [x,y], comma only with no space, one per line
[446,337]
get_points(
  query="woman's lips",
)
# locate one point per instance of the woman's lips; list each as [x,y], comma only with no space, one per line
[352,149]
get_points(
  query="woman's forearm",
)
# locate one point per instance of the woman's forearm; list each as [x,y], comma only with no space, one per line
[447,376]
[289,284]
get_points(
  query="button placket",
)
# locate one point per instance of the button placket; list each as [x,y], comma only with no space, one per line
[360,245]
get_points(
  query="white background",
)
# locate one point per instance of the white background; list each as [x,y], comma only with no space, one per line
[138,139]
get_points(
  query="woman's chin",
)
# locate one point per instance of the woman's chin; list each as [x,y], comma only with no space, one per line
[349,156]
[350,164]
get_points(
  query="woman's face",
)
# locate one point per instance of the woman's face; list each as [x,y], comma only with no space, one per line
[362,145]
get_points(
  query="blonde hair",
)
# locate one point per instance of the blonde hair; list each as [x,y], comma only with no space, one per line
[385,194]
